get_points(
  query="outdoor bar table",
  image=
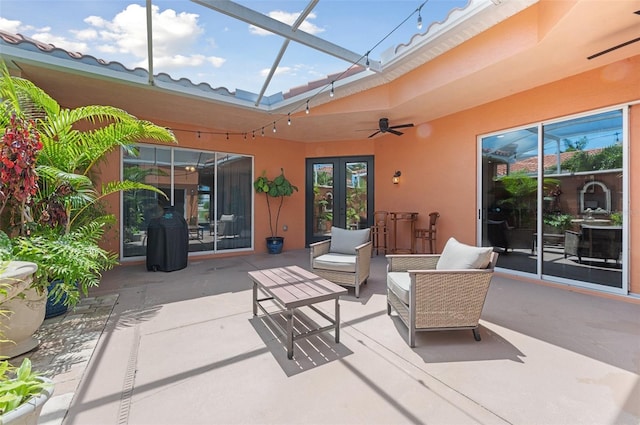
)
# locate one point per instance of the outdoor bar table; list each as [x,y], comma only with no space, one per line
[404,218]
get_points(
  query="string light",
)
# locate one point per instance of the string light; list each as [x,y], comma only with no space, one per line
[198,134]
[253,134]
[332,89]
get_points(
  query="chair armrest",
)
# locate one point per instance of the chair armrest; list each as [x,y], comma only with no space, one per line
[320,248]
[403,263]
[363,258]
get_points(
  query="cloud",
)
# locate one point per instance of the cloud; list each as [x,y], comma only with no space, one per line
[10,25]
[124,38]
[288,18]
[18,27]
[281,70]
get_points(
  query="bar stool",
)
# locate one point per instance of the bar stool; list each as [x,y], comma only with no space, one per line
[379,232]
[428,234]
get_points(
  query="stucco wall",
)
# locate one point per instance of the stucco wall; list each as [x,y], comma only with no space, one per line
[438,159]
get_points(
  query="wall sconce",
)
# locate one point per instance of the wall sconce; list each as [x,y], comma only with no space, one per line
[396,177]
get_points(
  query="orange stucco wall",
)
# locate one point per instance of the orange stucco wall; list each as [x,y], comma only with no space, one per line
[438,159]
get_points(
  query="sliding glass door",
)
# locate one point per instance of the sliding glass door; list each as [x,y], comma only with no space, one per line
[553,199]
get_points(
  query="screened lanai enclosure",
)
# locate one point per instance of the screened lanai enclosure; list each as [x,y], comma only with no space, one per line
[553,199]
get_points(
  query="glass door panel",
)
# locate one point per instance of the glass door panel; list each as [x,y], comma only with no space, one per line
[509,196]
[356,195]
[322,209]
[582,220]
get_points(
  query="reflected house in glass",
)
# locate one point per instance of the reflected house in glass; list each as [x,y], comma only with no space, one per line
[582,167]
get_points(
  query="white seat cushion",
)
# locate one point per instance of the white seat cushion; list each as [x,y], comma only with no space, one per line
[456,256]
[400,284]
[336,262]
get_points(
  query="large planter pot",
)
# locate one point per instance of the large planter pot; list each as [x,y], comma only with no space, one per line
[274,244]
[29,412]
[25,309]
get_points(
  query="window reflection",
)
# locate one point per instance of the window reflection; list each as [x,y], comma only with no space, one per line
[213,192]
[579,230]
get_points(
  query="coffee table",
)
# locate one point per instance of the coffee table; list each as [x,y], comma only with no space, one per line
[291,288]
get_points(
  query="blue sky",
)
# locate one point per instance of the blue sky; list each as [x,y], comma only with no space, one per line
[195,42]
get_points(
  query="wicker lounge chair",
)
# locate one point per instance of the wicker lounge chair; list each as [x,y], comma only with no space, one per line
[344,259]
[430,298]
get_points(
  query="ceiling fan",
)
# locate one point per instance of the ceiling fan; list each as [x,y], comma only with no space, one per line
[383,127]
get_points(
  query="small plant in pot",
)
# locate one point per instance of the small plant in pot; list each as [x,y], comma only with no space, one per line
[276,188]
[23,393]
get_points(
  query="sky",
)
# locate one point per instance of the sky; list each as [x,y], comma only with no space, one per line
[195,42]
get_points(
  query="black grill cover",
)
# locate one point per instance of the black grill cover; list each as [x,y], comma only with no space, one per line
[167,242]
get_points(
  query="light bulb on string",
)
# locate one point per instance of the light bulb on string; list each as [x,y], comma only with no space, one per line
[253,134]
[331,92]
[274,126]
[420,18]
[289,119]
[262,131]
[367,63]
[307,110]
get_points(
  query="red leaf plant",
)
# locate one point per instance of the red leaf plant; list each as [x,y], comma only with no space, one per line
[19,150]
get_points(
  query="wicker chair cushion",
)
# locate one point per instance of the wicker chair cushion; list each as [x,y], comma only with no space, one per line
[456,256]
[345,241]
[335,262]
[400,284]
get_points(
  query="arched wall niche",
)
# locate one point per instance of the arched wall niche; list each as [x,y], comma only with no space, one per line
[595,198]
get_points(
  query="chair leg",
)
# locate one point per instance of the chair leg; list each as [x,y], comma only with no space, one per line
[476,334]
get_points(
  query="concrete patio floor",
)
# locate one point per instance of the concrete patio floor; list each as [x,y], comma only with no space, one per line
[183,348]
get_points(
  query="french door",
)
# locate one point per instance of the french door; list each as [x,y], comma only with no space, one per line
[339,193]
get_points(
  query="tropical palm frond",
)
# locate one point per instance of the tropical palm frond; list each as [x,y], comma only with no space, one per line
[127,185]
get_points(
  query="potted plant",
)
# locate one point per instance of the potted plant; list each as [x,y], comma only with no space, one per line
[59,223]
[23,393]
[279,187]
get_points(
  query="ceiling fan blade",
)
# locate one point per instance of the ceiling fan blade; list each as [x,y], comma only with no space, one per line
[401,126]
[611,49]
[396,132]
[374,134]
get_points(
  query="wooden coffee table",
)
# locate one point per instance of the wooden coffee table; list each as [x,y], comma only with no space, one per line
[291,288]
